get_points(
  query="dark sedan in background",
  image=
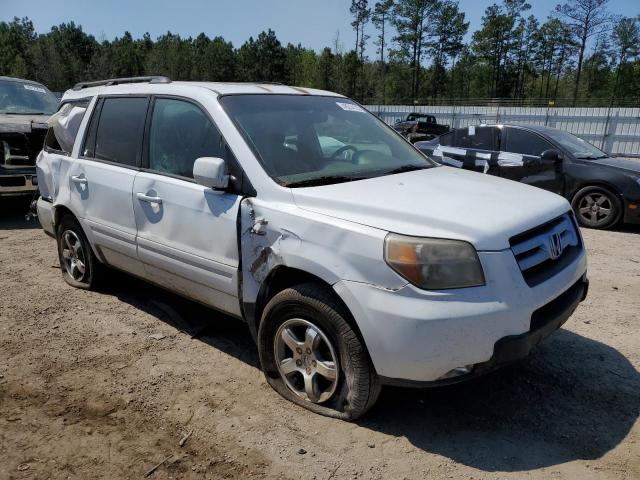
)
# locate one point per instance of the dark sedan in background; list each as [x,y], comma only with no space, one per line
[603,190]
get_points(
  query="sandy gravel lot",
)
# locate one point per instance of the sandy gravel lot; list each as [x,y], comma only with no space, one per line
[86,393]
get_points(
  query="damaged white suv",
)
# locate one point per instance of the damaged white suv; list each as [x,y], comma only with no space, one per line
[355,260]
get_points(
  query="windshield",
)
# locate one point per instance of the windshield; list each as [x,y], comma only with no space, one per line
[311,140]
[578,147]
[26,98]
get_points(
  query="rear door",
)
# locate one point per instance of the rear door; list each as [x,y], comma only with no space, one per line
[521,160]
[101,179]
[470,148]
[187,233]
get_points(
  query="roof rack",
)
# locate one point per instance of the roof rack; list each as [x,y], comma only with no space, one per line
[118,81]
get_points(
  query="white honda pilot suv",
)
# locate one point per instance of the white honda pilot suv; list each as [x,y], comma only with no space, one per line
[355,260]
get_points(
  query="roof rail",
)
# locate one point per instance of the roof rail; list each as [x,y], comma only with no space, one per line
[118,81]
[259,83]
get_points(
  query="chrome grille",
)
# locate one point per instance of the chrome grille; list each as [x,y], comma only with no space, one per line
[546,250]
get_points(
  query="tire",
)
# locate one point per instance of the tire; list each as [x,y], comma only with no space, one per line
[596,207]
[296,313]
[79,265]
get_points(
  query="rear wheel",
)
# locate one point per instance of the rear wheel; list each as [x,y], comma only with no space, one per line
[312,356]
[79,266]
[596,207]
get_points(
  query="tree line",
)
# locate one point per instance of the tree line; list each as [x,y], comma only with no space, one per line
[405,51]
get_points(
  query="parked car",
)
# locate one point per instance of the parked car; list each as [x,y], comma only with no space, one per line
[602,190]
[25,107]
[355,260]
[419,126]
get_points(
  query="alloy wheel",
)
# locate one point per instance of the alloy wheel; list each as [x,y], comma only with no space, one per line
[595,208]
[306,360]
[73,255]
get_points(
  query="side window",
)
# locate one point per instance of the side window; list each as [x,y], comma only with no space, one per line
[118,136]
[478,138]
[180,133]
[524,142]
[64,126]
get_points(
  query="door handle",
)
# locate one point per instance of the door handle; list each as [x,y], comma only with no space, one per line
[146,198]
[79,179]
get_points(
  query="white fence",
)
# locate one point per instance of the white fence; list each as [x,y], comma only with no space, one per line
[615,130]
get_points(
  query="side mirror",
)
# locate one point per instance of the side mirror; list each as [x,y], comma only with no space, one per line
[211,172]
[552,156]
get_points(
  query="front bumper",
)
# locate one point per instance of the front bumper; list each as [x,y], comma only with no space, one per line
[18,183]
[512,348]
[631,211]
[415,336]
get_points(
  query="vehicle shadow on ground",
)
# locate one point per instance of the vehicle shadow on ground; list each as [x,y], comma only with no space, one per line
[572,399]
[13,211]
[627,228]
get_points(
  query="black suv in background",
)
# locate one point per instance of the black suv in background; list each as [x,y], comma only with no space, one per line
[25,107]
[602,190]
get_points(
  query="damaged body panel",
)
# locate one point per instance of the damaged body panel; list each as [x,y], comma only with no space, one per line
[21,139]
[274,236]
[24,109]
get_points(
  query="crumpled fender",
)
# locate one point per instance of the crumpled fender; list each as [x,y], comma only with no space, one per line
[273,235]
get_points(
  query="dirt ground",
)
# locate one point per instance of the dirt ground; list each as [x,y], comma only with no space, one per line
[87,393]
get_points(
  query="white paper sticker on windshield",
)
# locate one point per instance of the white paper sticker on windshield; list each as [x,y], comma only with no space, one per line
[350,107]
[34,89]
[472,131]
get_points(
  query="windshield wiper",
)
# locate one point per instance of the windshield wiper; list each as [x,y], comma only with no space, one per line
[324,180]
[591,157]
[406,168]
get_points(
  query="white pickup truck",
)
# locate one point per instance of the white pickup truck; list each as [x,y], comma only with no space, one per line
[355,260]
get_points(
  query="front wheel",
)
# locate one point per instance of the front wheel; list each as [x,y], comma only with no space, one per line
[596,207]
[313,357]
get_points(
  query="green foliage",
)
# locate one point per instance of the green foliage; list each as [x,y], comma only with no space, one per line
[421,55]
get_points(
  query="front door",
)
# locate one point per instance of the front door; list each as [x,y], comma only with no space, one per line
[187,233]
[521,160]
[101,179]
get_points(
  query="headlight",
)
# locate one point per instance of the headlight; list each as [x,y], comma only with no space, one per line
[434,263]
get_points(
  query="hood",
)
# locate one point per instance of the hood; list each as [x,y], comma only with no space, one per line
[440,202]
[629,164]
[22,123]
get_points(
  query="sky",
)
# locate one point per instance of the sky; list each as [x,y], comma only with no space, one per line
[313,23]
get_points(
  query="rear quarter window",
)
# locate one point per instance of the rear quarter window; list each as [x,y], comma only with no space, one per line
[476,138]
[64,126]
[446,140]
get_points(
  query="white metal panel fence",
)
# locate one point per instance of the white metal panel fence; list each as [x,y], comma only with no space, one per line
[615,130]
